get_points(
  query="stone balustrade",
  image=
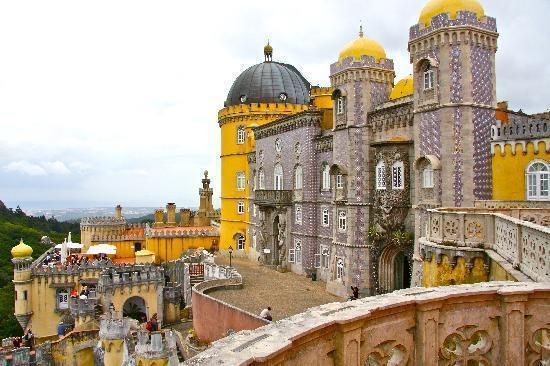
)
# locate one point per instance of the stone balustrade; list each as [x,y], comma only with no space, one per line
[213,271]
[272,197]
[130,275]
[115,327]
[495,323]
[523,244]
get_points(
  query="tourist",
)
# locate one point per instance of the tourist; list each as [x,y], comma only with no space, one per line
[60,329]
[28,338]
[152,325]
[17,342]
[84,293]
[74,293]
[266,314]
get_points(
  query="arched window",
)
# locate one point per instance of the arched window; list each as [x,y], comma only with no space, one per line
[381,175]
[397,175]
[240,241]
[342,221]
[428,77]
[298,214]
[538,176]
[261,179]
[278,177]
[325,177]
[241,133]
[340,105]
[428,177]
[339,268]
[298,177]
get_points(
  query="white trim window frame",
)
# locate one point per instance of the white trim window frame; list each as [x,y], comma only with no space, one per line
[317,260]
[298,250]
[428,177]
[241,181]
[278,180]
[398,175]
[241,242]
[298,177]
[240,207]
[537,180]
[325,256]
[261,179]
[62,299]
[298,214]
[340,105]
[241,135]
[325,177]
[325,217]
[291,255]
[428,78]
[342,221]
[340,265]
[339,181]
[381,175]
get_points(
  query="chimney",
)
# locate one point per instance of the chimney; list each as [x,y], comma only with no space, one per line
[185,217]
[159,218]
[118,212]
[171,214]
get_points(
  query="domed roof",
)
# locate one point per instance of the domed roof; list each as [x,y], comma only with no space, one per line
[269,82]
[435,7]
[362,46]
[403,88]
[21,250]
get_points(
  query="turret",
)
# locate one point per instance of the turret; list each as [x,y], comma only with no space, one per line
[112,331]
[22,260]
[118,211]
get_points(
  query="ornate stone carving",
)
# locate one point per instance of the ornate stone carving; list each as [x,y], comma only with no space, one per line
[388,353]
[467,346]
[537,351]
[281,245]
[324,144]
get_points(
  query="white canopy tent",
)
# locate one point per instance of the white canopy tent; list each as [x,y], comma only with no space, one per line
[102,249]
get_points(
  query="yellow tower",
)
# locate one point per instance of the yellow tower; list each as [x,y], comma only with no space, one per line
[261,94]
[22,259]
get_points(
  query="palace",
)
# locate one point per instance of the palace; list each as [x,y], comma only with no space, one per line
[345,182]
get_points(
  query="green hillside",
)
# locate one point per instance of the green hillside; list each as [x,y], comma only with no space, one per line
[15,225]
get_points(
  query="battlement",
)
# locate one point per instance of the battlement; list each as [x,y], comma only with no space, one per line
[350,63]
[115,327]
[102,220]
[182,232]
[130,275]
[114,238]
[463,18]
[320,90]
[520,128]
[523,146]
[260,108]
[83,307]
[58,270]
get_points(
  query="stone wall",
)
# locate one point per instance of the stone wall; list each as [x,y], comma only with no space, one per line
[499,323]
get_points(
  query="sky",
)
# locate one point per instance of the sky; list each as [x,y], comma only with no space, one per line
[115,102]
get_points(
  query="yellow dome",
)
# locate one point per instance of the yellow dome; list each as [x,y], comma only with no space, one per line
[21,250]
[362,46]
[435,7]
[403,88]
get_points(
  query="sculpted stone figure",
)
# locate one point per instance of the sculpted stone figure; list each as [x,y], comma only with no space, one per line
[282,244]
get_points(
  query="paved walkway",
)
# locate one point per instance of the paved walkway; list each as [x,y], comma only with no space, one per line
[287,293]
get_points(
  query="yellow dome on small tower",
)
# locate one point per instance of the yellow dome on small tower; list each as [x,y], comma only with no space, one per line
[362,46]
[435,7]
[21,250]
[403,88]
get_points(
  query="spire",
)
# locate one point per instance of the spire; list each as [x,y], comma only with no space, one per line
[268,52]
[360,30]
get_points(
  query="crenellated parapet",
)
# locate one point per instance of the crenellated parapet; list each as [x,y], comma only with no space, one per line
[521,128]
[102,220]
[115,238]
[257,111]
[485,25]
[183,232]
[130,276]
[155,345]
[365,69]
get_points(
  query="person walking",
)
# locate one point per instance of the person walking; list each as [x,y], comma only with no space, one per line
[266,314]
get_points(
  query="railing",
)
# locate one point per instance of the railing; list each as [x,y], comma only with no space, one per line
[82,307]
[130,275]
[523,244]
[272,197]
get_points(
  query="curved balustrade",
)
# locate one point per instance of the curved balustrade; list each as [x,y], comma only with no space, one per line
[495,323]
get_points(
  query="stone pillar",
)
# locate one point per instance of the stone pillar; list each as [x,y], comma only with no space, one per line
[427,333]
[112,331]
[348,345]
[513,345]
[171,214]
[185,217]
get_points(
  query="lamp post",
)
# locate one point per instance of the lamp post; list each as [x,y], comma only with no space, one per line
[230,250]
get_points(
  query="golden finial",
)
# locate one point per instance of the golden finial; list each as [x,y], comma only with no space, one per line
[268,51]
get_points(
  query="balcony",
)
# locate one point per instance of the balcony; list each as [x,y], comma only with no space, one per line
[265,197]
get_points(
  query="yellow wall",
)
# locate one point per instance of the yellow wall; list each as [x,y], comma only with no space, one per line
[509,170]
[498,273]
[443,275]
[147,292]
[168,249]
[234,159]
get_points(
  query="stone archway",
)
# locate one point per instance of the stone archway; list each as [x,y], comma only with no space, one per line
[135,307]
[394,269]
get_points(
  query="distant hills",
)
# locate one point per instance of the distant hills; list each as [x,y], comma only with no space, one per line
[75,214]
[15,225]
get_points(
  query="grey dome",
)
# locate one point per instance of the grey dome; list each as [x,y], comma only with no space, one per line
[265,82]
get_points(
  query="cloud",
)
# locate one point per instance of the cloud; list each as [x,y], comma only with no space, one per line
[24,167]
[43,168]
